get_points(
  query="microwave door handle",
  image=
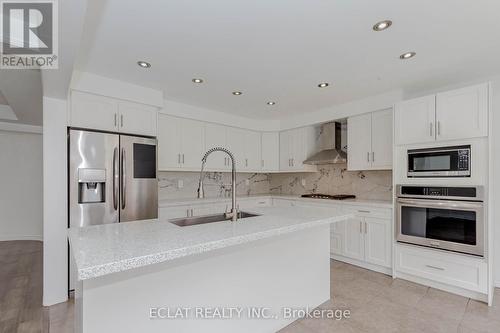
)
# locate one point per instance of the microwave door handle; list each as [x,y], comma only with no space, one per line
[124,178]
[115,178]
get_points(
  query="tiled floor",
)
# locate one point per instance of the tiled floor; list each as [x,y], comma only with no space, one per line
[376,302]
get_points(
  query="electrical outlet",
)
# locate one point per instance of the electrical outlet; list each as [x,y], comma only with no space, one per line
[180,183]
[247,182]
[303,182]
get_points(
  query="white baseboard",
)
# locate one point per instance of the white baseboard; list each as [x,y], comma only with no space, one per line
[362,264]
[21,237]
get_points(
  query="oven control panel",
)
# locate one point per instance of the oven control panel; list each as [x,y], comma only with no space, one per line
[465,193]
[463,159]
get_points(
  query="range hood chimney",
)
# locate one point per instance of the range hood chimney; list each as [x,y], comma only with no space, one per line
[330,146]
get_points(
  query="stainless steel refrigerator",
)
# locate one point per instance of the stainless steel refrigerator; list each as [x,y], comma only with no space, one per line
[112,179]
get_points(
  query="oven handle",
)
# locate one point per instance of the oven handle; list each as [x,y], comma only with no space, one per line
[440,203]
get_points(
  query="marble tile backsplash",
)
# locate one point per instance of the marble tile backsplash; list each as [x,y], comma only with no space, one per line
[330,179]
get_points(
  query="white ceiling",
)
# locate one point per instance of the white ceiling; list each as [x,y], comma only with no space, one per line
[280,50]
[22,89]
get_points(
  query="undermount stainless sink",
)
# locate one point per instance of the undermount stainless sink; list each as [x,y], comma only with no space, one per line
[187,221]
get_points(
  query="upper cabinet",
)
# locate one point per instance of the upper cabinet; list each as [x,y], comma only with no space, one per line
[456,114]
[296,145]
[369,141]
[109,114]
[215,136]
[270,143]
[180,143]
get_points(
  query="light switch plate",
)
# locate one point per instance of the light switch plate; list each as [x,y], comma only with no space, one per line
[303,182]
[180,183]
[247,182]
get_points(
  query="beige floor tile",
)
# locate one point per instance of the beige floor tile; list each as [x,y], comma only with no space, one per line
[479,316]
[296,327]
[446,304]
[404,292]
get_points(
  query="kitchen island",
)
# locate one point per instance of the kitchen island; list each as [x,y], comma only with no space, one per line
[244,276]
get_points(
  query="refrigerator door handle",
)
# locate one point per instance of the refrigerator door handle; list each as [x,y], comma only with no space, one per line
[116,179]
[124,176]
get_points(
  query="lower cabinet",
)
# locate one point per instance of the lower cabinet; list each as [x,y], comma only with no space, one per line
[367,237]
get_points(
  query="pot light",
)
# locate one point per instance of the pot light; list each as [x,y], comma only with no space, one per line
[323,84]
[271,103]
[197,80]
[407,55]
[237,93]
[143,64]
[382,25]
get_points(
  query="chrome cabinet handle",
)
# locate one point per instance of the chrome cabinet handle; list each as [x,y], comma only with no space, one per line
[373,156]
[435,267]
[121,120]
[438,128]
[182,158]
[116,179]
[178,158]
[116,119]
[360,227]
[366,228]
[246,162]
[431,126]
[363,211]
[368,156]
[187,212]
[124,176]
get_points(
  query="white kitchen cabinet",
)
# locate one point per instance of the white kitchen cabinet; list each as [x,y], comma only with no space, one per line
[253,158]
[215,136]
[270,143]
[296,145]
[359,142]
[108,114]
[337,242]
[414,120]
[245,145]
[354,239]
[180,143]
[462,113]
[93,112]
[369,141]
[137,118]
[378,241]
[451,115]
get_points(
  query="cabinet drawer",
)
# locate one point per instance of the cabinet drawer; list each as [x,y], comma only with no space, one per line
[368,211]
[452,269]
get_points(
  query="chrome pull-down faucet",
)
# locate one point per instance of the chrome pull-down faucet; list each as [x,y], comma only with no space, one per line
[234,211]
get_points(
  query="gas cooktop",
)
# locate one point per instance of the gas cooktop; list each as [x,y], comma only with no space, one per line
[327,196]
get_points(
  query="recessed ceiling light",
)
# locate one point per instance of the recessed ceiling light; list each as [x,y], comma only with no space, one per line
[323,84]
[197,80]
[143,64]
[407,55]
[382,25]
[237,93]
[271,103]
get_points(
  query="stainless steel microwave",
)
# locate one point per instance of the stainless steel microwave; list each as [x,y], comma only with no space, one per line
[454,161]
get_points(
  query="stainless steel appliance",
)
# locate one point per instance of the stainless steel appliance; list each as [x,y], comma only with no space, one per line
[448,218]
[440,162]
[111,178]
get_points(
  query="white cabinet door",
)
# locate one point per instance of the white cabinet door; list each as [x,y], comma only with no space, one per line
[382,139]
[236,144]
[215,136]
[285,150]
[93,112]
[298,146]
[192,143]
[252,151]
[337,237]
[359,142]
[270,151]
[354,240]
[137,118]
[462,113]
[169,142]
[378,241]
[415,120]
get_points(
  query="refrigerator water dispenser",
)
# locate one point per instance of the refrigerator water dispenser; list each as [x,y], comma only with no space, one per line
[91,185]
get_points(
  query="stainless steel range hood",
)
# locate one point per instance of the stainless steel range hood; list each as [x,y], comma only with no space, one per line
[330,146]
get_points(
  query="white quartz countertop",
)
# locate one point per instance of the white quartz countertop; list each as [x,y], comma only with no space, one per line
[358,202]
[111,248]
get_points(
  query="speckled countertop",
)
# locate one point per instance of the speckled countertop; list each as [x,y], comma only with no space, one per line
[357,202]
[106,249]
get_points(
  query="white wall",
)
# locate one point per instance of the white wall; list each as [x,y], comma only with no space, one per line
[21,186]
[55,220]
